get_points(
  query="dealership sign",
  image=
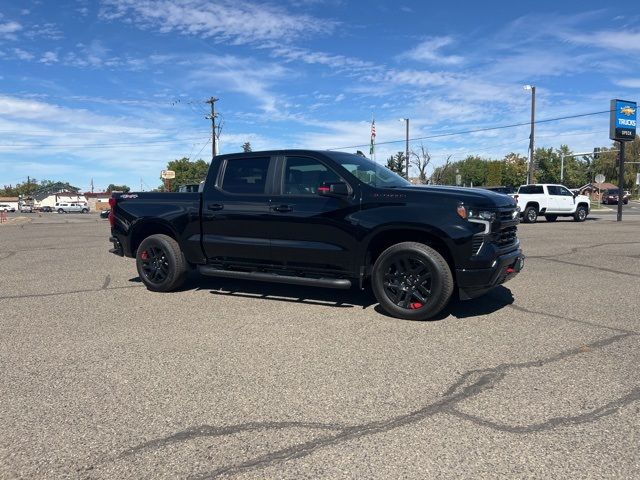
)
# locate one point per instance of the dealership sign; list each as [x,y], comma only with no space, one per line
[622,124]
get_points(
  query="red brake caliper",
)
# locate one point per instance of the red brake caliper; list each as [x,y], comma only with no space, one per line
[415,305]
[144,255]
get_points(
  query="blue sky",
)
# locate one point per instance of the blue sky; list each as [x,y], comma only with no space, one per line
[113,89]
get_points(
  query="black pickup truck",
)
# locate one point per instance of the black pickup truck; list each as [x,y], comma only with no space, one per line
[327,219]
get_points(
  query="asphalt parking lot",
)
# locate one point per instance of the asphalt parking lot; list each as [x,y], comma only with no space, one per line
[103,379]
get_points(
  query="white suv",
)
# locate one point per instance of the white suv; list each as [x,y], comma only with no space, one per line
[6,208]
[71,207]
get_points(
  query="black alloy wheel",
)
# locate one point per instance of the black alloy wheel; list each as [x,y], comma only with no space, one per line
[407,281]
[161,264]
[155,266]
[412,281]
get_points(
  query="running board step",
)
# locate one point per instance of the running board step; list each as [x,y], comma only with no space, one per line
[341,283]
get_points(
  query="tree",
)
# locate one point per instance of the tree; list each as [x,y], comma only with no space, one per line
[421,162]
[397,163]
[246,147]
[187,172]
[441,173]
[514,170]
[118,188]
[494,173]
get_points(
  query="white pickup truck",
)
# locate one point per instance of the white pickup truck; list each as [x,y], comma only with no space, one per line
[551,201]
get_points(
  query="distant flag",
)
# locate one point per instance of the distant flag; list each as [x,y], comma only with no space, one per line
[372,148]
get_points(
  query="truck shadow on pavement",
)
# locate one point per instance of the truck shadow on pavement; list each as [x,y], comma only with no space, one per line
[495,300]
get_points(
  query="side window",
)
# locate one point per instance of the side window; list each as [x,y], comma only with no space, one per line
[566,192]
[531,189]
[303,176]
[246,175]
[554,190]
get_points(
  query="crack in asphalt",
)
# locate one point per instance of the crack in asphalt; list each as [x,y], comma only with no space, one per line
[603,411]
[7,254]
[68,292]
[593,267]
[469,385]
[572,320]
[585,247]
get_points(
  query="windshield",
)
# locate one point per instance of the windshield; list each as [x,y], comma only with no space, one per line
[367,171]
[612,192]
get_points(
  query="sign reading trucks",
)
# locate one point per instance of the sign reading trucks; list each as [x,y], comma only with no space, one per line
[622,124]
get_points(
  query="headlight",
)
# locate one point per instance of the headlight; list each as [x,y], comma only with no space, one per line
[476,215]
[481,215]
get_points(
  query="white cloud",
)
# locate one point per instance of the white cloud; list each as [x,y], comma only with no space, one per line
[9,29]
[243,75]
[23,54]
[628,82]
[49,58]
[625,41]
[429,52]
[236,21]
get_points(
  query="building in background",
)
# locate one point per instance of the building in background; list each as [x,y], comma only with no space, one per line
[98,201]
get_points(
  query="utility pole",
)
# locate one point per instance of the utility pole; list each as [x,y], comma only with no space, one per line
[530,173]
[407,147]
[620,180]
[213,101]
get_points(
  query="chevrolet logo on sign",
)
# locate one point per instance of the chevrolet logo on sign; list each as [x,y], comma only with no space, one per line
[628,111]
[622,122]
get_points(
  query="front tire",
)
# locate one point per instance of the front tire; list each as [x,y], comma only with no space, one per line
[161,264]
[412,281]
[580,215]
[530,215]
[60,210]
[551,218]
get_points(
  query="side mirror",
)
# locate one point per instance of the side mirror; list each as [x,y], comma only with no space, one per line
[337,189]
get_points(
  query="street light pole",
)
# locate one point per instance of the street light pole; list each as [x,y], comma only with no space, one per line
[530,175]
[407,147]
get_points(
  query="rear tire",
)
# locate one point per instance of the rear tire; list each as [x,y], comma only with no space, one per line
[60,210]
[412,281]
[580,215]
[161,264]
[551,218]
[530,215]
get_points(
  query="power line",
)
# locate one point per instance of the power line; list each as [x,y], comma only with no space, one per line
[99,145]
[483,129]
[205,144]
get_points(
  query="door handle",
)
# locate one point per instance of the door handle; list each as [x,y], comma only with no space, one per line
[283,208]
[215,206]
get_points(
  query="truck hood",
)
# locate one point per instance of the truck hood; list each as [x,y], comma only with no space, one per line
[475,197]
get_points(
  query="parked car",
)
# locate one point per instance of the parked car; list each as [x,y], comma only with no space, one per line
[105,213]
[551,201]
[71,207]
[7,208]
[324,219]
[46,209]
[504,190]
[611,196]
[26,209]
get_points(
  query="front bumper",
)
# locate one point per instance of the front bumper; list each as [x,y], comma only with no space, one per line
[475,282]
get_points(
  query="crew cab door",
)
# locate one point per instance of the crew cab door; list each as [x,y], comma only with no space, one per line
[235,211]
[560,199]
[310,231]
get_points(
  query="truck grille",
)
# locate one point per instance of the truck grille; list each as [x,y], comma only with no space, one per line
[507,236]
